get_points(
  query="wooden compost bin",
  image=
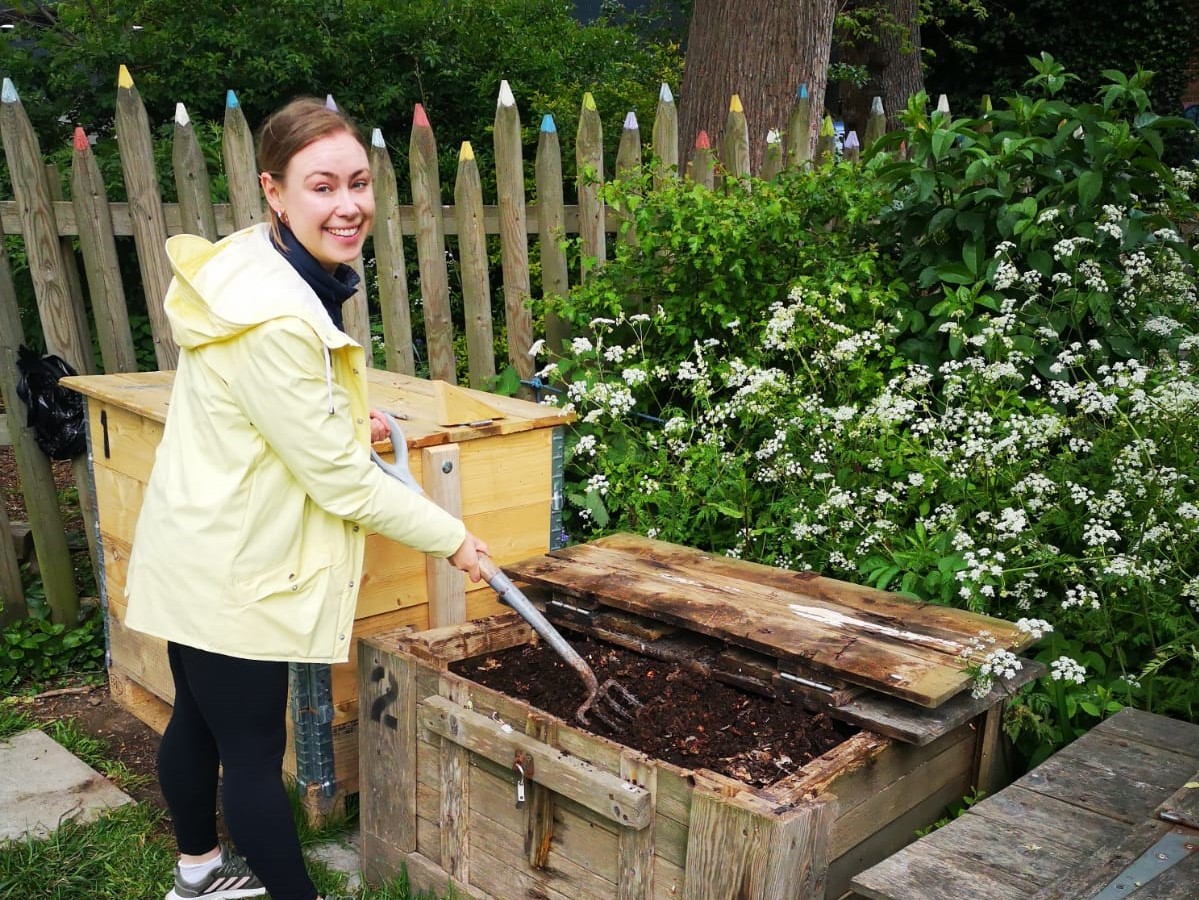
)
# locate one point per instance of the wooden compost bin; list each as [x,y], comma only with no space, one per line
[600,820]
[499,476]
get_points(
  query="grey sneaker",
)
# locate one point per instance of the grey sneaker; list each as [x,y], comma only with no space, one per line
[228,881]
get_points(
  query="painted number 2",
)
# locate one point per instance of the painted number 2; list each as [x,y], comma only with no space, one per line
[387,698]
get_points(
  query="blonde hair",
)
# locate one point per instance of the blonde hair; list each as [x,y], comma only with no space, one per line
[289,130]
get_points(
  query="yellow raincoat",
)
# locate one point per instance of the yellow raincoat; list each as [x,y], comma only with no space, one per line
[251,533]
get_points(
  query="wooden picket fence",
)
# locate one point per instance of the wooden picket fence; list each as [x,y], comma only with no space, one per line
[50,224]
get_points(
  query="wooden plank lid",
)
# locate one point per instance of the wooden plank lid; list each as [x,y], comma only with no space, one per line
[903,648]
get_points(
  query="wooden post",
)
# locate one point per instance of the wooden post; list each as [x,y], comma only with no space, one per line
[241,169]
[145,209]
[71,273]
[100,263]
[389,262]
[852,149]
[635,846]
[701,161]
[191,179]
[444,585]
[589,159]
[60,325]
[37,481]
[551,222]
[799,130]
[772,159]
[943,106]
[666,138]
[628,162]
[12,593]
[472,259]
[735,150]
[539,818]
[356,318]
[826,146]
[514,234]
[430,248]
[876,122]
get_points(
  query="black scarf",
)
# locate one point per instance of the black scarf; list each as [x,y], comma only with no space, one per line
[331,288]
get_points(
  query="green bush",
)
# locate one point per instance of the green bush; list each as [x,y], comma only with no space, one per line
[1009,426]
[35,650]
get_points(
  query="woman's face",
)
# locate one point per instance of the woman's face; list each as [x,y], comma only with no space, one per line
[325,197]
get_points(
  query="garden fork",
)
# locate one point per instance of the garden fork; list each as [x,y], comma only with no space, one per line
[616,705]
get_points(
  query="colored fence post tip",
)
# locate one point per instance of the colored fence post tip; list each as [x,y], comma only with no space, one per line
[802,93]
[330,103]
[230,99]
[8,93]
[505,98]
[377,138]
[124,79]
[630,121]
[876,106]
[984,105]
[182,119]
[943,104]
[702,141]
[419,119]
[466,153]
[547,124]
[80,139]
[851,141]
[735,104]
[826,127]
[588,100]
[773,136]
[664,94]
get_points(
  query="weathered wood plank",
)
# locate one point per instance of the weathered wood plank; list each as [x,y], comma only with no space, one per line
[635,852]
[387,735]
[192,184]
[539,800]
[1182,807]
[455,778]
[1104,867]
[1157,731]
[475,269]
[786,858]
[430,248]
[390,269]
[1041,818]
[934,872]
[12,594]
[1121,779]
[666,138]
[514,233]
[551,230]
[241,168]
[444,585]
[589,162]
[603,793]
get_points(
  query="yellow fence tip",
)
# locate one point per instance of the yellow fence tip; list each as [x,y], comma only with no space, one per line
[735,104]
[124,79]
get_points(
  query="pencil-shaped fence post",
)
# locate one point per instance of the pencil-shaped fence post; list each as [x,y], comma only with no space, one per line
[430,248]
[514,233]
[37,480]
[984,110]
[389,262]
[47,266]
[191,179]
[589,159]
[876,123]
[799,130]
[772,159]
[71,271]
[701,160]
[666,138]
[628,161]
[735,148]
[852,149]
[472,260]
[241,169]
[826,146]
[100,264]
[551,224]
[145,209]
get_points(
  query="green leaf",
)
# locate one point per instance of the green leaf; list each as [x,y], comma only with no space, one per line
[1089,186]
[973,255]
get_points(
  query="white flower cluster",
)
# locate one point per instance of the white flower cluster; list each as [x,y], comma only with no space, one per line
[1066,669]
[1038,628]
[1080,596]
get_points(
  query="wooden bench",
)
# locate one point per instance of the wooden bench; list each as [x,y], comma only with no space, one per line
[1068,828]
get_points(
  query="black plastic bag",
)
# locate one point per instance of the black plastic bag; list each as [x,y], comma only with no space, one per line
[55,413]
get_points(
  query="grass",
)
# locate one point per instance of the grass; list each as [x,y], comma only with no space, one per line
[128,853]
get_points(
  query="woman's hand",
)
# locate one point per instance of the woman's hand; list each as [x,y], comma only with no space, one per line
[466,557]
[379,427]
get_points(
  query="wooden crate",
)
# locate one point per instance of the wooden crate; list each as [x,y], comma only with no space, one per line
[601,820]
[498,477]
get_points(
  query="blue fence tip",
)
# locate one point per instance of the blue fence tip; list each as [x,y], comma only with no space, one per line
[547,124]
[802,93]
[231,99]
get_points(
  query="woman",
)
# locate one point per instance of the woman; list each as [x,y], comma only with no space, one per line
[249,546]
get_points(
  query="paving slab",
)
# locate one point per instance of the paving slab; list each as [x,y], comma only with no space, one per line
[42,785]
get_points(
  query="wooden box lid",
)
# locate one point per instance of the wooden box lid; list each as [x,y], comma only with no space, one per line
[412,400]
[909,656]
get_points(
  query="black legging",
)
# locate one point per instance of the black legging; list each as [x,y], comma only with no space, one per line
[230,712]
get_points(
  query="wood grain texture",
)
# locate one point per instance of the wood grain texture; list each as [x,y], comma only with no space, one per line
[589,163]
[390,267]
[430,252]
[666,139]
[444,585]
[472,258]
[514,234]
[551,231]
[192,185]
[241,168]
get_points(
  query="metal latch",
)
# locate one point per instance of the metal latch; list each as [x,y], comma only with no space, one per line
[1169,850]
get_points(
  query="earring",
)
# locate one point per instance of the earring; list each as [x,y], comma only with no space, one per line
[283,217]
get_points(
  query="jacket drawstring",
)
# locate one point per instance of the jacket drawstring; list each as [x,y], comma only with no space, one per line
[328,374]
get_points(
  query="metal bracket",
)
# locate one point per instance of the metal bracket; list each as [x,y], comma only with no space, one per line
[312,715]
[1170,849]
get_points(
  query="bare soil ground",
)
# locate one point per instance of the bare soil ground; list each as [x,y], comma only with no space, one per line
[686,719]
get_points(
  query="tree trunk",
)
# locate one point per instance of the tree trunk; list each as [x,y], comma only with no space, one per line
[761,50]
[894,66]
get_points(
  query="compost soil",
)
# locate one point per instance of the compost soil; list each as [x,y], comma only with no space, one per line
[686,718]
